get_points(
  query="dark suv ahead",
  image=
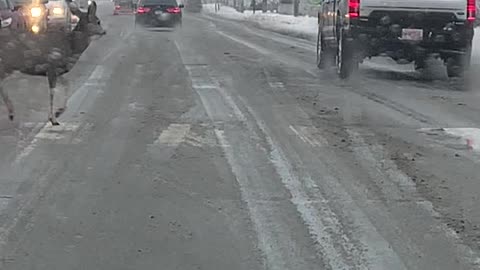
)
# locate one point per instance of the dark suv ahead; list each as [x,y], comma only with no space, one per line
[159,13]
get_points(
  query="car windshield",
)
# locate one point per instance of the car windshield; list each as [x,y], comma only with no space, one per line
[240,135]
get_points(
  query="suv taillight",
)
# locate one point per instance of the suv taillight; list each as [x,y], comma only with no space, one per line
[471,10]
[174,10]
[354,9]
[142,10]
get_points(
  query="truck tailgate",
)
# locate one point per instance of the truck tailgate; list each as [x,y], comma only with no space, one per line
[456,6]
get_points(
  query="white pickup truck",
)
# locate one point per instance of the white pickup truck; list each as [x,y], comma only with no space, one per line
[404,30]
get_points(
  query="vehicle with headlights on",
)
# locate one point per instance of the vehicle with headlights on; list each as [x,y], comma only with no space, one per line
[59,16]
[35,14]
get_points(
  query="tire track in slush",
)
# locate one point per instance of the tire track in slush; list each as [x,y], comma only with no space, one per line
[332,244]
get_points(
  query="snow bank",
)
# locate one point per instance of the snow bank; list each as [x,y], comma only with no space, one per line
[303,27]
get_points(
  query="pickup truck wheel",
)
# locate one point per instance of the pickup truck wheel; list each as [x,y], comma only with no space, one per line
[321,52]
[454,67]
[345,60]
[458,65]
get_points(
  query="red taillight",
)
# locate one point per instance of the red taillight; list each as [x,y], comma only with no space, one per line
[353,9]
[142,10]
[471,10]
[174,10]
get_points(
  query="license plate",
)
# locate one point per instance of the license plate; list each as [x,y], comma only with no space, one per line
[412,34]
[158,12]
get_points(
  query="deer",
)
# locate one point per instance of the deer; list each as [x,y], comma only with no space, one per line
[49,54]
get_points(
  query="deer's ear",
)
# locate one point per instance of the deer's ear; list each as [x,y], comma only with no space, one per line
[92,11]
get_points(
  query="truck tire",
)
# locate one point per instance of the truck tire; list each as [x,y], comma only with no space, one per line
[457,66]
[345,59]
[320,51]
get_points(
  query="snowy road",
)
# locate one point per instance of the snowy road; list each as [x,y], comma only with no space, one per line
[221,146]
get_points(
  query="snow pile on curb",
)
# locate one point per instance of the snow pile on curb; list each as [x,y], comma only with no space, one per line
[302,27]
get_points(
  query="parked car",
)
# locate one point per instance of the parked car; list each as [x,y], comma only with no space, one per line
[35,14]
[11,17]
[404,30]
[59,16]
[159,13]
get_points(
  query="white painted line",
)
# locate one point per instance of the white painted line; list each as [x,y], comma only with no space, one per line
[308,135]
[57,132]
[26,151]
[31,146]
[471,136]
[46,132]
[246,43]
[199,141]
[97,74]
[276,85]
[174,135]
[93,82]
[238,113]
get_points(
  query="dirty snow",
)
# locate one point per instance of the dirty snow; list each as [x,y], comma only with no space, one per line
[298,26]
[469,136]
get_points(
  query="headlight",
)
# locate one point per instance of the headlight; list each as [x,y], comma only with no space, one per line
[35,29]
[36,12]
[57,11]
[6,22]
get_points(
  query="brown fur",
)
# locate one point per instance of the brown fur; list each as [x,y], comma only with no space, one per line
[51,54]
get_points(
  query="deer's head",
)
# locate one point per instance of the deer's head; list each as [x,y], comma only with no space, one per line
[89,23]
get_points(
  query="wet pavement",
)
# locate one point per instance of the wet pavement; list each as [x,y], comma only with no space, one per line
[219,146]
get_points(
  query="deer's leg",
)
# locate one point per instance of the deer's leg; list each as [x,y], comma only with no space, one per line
[7,101]
[65,86]
[52,83]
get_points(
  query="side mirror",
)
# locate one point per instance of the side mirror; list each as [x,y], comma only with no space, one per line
[181,6]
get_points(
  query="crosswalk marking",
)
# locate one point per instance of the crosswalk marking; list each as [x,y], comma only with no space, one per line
[173,135]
